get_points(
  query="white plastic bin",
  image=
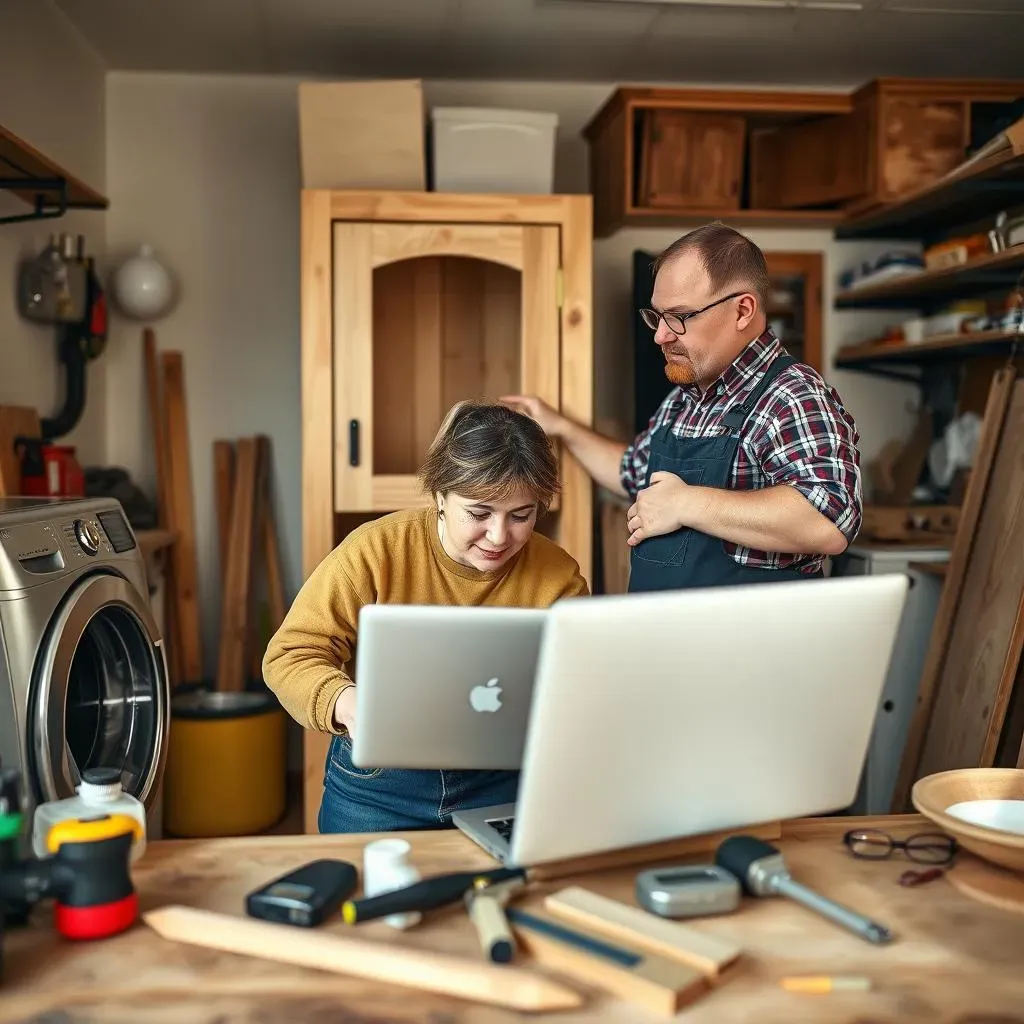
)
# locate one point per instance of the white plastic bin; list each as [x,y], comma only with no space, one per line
[482,150]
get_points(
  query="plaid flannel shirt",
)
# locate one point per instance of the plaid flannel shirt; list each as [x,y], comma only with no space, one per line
[798,434]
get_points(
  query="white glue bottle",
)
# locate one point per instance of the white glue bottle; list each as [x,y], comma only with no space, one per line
[386,867]
[100,793]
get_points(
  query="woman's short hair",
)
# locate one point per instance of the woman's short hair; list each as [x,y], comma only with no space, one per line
[486,451]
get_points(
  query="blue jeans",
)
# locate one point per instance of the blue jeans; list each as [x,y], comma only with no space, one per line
[396,799]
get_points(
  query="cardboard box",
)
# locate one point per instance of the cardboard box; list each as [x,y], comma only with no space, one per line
[362,135]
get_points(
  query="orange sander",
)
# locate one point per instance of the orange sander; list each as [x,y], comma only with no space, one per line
[87,873]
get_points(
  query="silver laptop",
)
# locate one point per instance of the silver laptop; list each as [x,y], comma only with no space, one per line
[439,686]
[672,714]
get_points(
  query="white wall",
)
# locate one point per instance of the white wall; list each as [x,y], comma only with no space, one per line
[206,170]
[52,95]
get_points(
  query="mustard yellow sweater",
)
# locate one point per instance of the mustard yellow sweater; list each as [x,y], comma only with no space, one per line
[397,559]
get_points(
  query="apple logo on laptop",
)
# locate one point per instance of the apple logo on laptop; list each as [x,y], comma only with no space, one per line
[486,697]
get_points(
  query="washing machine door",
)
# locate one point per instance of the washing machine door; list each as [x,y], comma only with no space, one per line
[100,692]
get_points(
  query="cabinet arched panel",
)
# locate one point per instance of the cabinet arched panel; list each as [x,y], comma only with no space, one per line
[492,243]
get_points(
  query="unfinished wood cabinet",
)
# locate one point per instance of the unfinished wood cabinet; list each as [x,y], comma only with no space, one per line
[764,158]
[899,136]
[412,301]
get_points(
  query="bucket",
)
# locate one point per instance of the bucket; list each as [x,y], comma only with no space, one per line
[226,764]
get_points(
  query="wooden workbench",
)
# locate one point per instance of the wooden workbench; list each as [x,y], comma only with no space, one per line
[954,960]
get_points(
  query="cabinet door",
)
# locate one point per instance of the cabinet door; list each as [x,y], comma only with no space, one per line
[815,163]
[692,161]
[426,315]
[921,140]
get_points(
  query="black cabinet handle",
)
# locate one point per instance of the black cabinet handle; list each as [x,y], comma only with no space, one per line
[353,442]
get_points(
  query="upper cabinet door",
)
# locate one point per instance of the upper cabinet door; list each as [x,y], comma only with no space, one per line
[426,315]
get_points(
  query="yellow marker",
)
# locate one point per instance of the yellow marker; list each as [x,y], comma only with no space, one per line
[822,985]
[91,830]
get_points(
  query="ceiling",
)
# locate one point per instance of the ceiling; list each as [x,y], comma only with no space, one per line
[760,42]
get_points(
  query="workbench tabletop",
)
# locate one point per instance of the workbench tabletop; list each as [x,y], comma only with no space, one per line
[953,959]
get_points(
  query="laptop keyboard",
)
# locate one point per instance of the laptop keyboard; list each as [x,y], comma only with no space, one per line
[503,826]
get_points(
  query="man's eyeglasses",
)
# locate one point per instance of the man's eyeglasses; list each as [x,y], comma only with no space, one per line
[676,322]
[924,848]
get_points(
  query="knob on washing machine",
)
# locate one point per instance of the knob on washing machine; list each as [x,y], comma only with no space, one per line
[88,536]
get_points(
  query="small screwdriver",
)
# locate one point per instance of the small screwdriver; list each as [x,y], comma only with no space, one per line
[762,872]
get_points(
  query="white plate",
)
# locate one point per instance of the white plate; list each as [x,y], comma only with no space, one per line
[1005,815]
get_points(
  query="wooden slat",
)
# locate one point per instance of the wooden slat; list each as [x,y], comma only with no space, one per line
[15,421]
[181,517]
[223,490]
[984,644]
[353,363]
[576,532]
[318,434]
[540,348]
[317,380]
[268,554]
[236,605]
[496,243]
[272,564]
[952,591]
[161,461]
[427,359]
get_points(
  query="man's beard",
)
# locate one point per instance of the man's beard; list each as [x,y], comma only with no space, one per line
[680,373]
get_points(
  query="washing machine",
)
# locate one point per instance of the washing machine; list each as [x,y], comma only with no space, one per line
[83,673]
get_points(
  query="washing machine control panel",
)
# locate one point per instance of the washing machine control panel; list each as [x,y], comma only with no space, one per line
[87,535]
[82,540]
[33,550]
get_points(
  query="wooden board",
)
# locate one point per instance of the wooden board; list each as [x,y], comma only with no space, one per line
[961,700]
[20,160]
[953,955]
[236,605]
[181,517]
[15,421]
[984,645]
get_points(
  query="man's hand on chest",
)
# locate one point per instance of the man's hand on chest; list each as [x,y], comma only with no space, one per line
[660,508]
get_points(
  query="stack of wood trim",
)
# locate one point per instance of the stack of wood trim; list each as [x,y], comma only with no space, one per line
[245,529]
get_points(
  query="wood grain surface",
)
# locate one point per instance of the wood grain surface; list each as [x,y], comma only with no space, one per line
[955,960]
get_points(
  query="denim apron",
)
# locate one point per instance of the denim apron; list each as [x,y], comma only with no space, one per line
[687,557]
[393,799]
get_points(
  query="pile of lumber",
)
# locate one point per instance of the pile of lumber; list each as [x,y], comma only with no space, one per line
[970,704]
[246,532]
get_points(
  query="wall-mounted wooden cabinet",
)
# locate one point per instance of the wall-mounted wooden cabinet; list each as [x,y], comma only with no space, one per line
[412,301]
[900,136]
[676,156]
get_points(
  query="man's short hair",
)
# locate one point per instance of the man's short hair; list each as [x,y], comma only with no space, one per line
[730,259]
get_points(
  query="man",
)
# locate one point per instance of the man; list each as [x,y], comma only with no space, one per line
[749,470]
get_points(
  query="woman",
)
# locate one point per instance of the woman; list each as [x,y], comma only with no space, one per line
[491,472]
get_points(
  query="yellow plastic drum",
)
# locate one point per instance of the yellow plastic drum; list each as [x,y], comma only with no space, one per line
[226,764]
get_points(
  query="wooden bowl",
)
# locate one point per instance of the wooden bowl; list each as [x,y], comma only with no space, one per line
[934,793]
